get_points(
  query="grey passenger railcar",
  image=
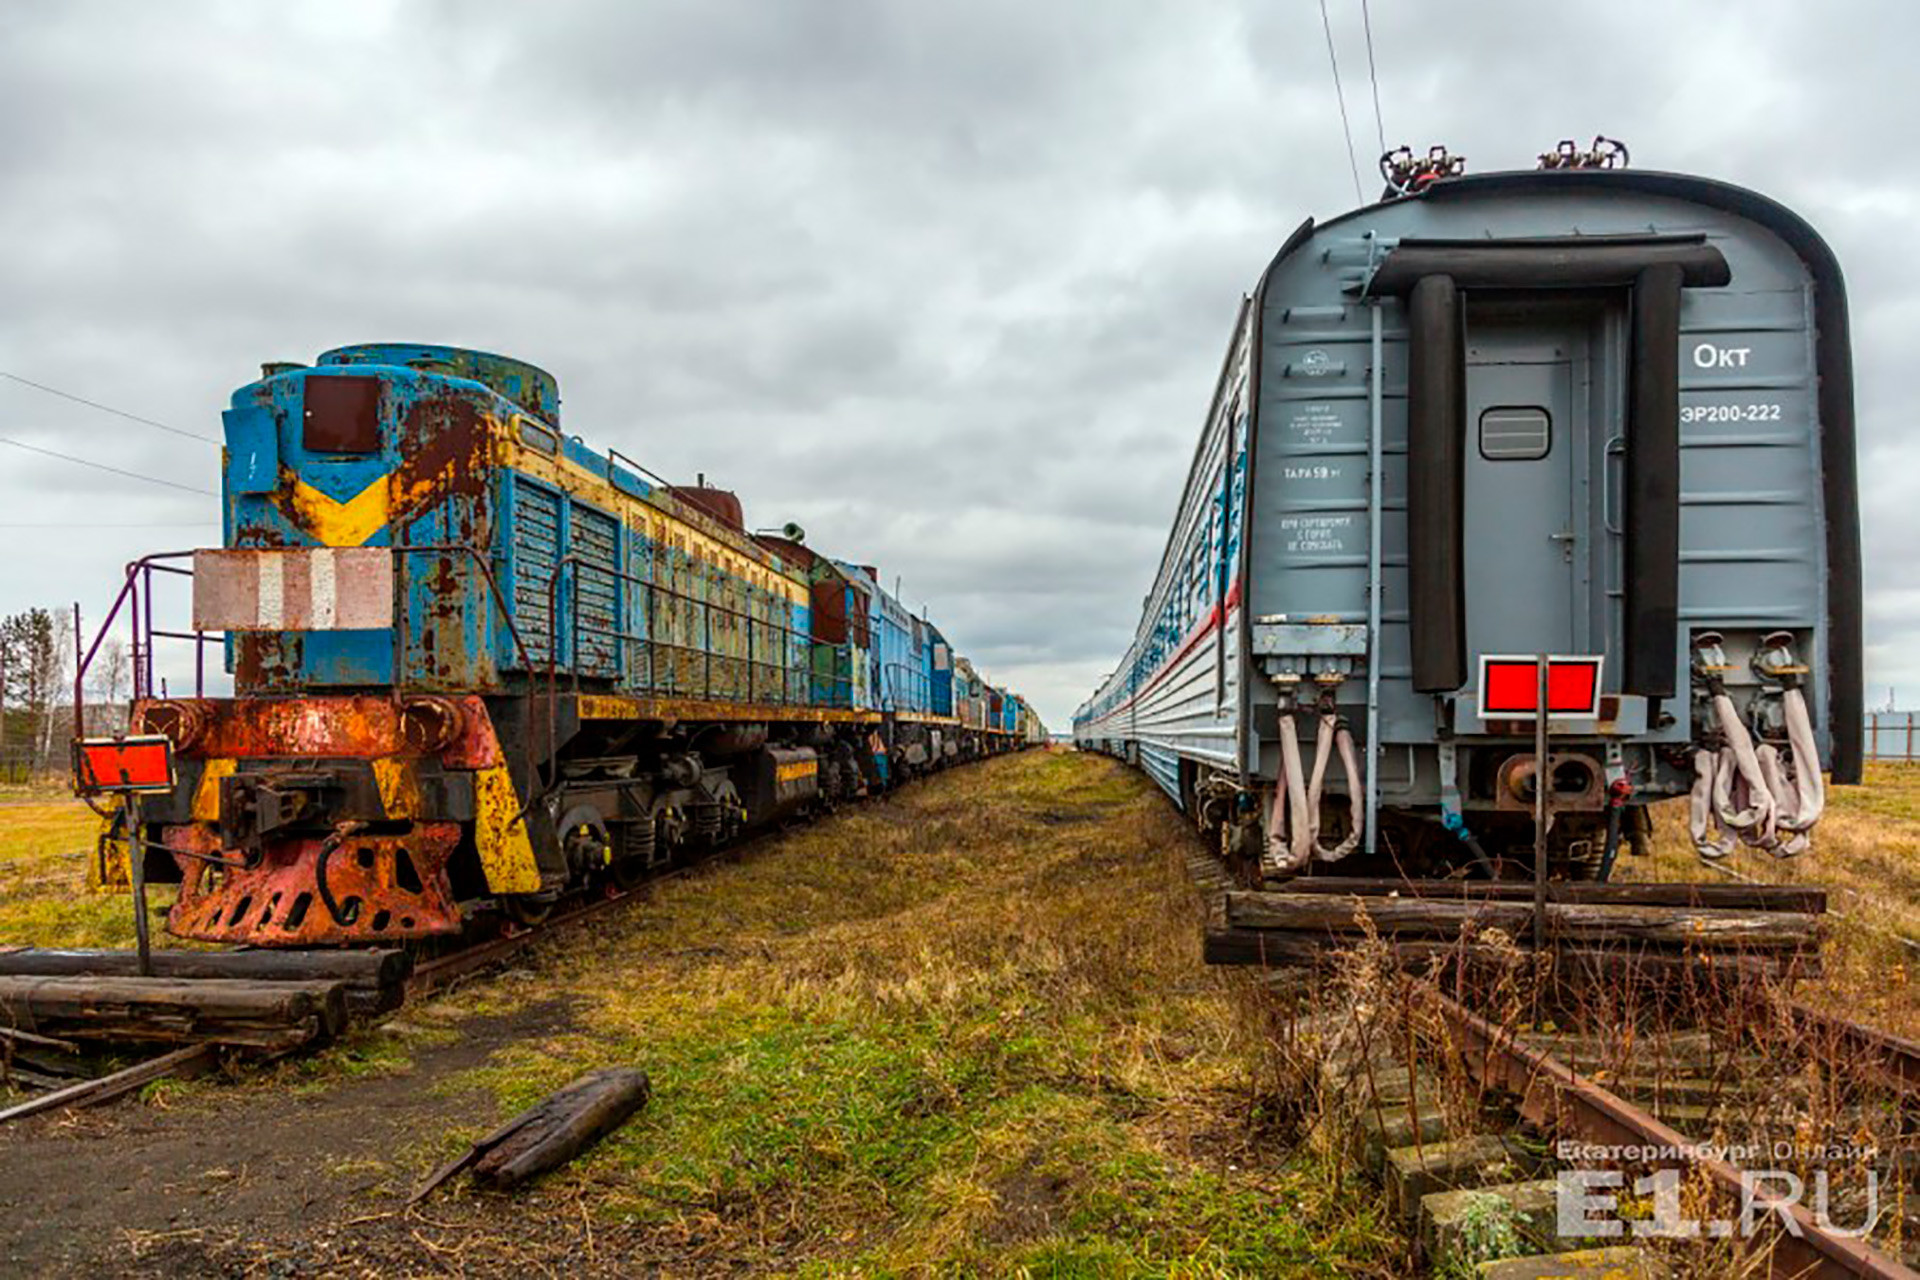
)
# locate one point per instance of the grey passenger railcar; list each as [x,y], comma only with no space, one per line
[1600,415]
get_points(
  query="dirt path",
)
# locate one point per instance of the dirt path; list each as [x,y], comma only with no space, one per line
[965,1031]
[230,1179]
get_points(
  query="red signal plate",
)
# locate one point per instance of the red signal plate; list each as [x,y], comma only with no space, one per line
[143,763]
[1510,686]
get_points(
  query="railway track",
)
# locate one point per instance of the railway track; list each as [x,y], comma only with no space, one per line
[1721,1106]
[428,975]
[442,971]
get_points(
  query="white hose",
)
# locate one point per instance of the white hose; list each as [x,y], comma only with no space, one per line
[1333,736]
[1289,835]
[1741,797]
[1800,793]
[1710,839]
[1768,797]
[1293,822]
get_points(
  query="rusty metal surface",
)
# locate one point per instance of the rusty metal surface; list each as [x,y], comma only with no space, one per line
[188,1060]
[342,415]
[357,726]
[1891,1060]
[527,385]
[722,504]
[1556,1098]
[670,598]
[400,879]
[427,478]
[619,707]
[349,887]
[301,589]
[500,834]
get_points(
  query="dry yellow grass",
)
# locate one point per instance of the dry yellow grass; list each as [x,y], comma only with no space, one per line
[44,846]
[964,1031]
[1867,854]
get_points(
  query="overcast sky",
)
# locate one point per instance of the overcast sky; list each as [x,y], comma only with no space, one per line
[946,283]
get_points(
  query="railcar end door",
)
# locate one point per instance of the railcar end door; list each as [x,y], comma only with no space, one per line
[1522,535]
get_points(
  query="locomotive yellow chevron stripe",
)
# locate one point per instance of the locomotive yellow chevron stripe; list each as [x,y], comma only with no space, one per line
[334,523]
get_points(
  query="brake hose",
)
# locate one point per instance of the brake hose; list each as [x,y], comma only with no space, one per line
[327,849]
[1293,824]
[1768,797]
[1289,842]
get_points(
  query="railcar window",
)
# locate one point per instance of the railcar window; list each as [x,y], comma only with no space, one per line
[342,415]
[1515,433]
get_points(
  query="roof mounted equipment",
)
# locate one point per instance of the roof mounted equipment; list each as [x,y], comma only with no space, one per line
[1407,174]
[1605,153]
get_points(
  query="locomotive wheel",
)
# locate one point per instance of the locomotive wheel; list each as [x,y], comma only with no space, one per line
[584,842]
[526,909]
[628,874]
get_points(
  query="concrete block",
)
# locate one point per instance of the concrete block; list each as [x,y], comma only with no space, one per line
[1482,1159]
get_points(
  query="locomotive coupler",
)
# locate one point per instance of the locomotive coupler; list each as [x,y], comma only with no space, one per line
[255,807]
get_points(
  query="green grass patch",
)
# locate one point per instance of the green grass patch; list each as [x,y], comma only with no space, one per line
[962,1032]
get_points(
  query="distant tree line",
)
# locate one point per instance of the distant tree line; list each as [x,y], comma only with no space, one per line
[36,690]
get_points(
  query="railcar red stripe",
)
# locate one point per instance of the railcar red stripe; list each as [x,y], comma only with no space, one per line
[1201,630]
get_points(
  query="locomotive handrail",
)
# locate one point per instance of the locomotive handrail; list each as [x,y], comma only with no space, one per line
[653,592]
[898,674]
[138,574]
[480,559]
[654,476]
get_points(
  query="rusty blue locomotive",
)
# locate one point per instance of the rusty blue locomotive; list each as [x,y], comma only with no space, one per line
[476,662]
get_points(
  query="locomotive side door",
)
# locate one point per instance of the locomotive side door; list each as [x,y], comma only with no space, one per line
[1524,538]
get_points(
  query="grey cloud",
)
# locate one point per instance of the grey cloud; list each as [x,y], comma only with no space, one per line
[947,284]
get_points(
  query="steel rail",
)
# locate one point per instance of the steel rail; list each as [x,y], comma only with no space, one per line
[436,974]
[187,1060]
[1555,1097]
[1891,1061]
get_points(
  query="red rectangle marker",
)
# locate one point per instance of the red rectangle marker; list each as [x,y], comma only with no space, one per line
[1510,686]
[123,764]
